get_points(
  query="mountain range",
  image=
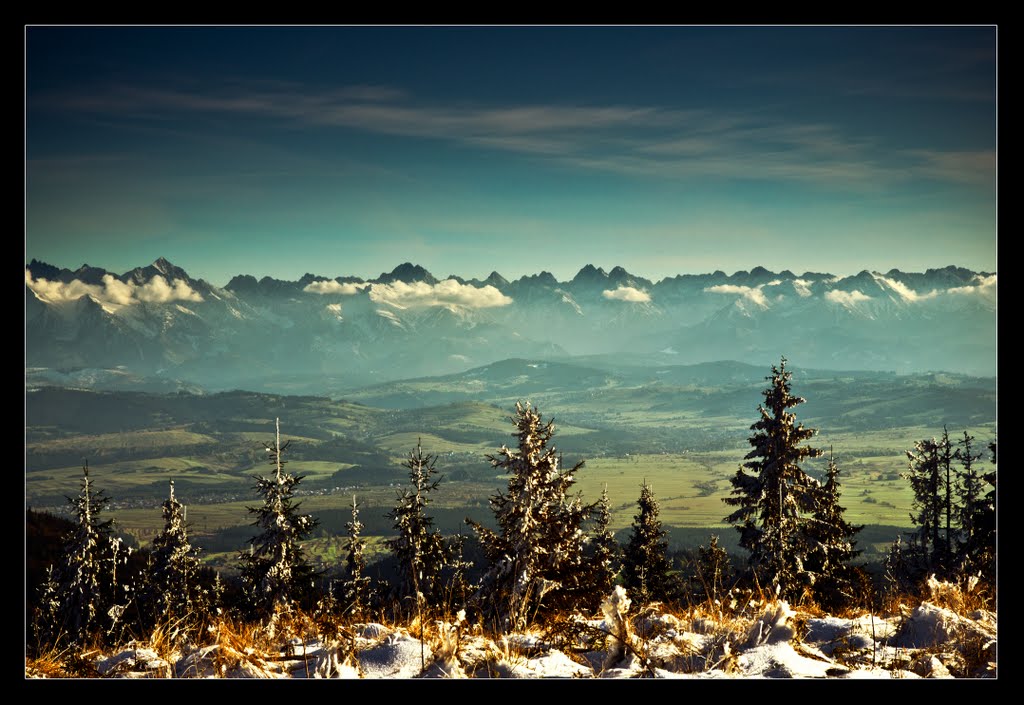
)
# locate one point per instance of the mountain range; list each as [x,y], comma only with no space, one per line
[156,325]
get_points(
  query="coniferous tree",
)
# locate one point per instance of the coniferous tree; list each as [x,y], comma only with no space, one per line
[604,557]
[646,571]
[969,493]
[175,590]
[928,508]
[536,555]
[275,571]
[831,541]
[985,526]
[79,598]
[946,455]
[357,588]
[776,493]
[421,551]
[456,574]
[711,571]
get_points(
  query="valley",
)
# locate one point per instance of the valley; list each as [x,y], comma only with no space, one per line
[683,429]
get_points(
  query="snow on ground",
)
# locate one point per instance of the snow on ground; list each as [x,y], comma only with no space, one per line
[771,641]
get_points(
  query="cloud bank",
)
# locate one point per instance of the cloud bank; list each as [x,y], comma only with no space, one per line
[985,288]
[113,290]
[751,293]
[332,287]
[803,287]
[448,292]
[847,298]
[905,292]
[627,293]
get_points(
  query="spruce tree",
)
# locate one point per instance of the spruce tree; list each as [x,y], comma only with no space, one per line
[946,455]
[772,492]
[357,589]
[969,508]
[928,508]
[985,527]
[275,571]
[831,543]
[646,571]
[710,571]
[174,573]
[604,555]
[419,549]
[79,597]
[536,556]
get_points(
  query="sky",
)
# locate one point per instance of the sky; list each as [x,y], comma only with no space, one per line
[276,151]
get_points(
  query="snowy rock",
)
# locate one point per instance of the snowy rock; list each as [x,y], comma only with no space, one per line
[780,660]
[328,664]
[929,625]
[772,627]
[135,663]
[398,656]
[929,666]
[556,664]
[218,661]
[523,642]
[553,664]
[373,630]
[832,633]
[445,668]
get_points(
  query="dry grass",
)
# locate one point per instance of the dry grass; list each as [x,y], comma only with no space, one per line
[963,596]
[706,636]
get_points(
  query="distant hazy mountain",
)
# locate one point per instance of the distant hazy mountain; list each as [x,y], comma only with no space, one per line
[320,334]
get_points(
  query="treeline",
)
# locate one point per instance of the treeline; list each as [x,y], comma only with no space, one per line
[546,552]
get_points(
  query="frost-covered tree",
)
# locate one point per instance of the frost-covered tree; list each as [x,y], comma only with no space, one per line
[79,598]
[419,549]
[710,571]
[275,571]
[175,588]
[772,493]
[604,553]
[456,574]
[646,571]
[357,589]
[536,556]
[831,544]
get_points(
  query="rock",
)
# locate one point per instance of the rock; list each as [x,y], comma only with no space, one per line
[398,656]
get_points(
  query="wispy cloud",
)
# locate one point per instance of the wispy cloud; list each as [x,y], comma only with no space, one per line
[627,293]
[650,141]
[113,291]
[333,287]
[448,292]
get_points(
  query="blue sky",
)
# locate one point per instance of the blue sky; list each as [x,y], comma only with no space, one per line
[348,150]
